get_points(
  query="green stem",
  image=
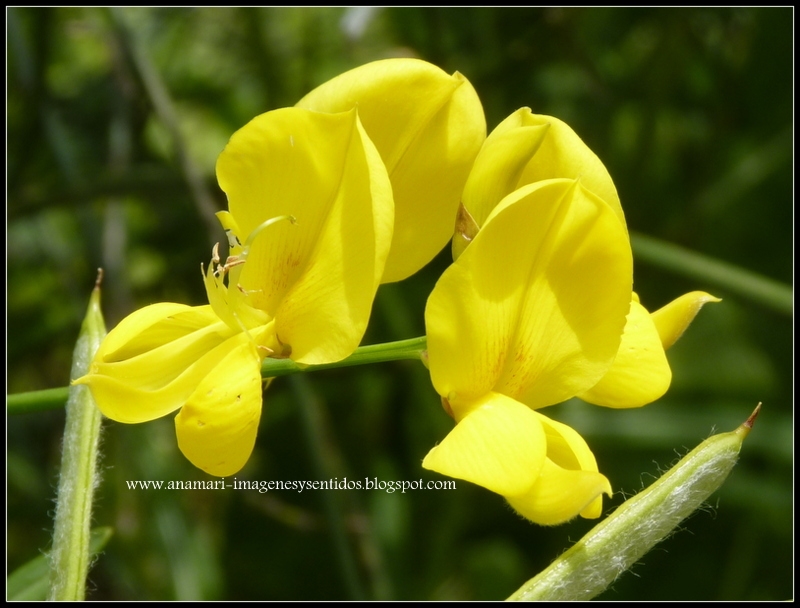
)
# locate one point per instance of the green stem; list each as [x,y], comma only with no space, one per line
[36,401]
[762,290]
[375,353]
[55,398]
[69,563]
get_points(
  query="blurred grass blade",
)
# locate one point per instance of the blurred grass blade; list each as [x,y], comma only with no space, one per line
[37,401]
[756,288]
[619,541]
[31,580]
[69,558]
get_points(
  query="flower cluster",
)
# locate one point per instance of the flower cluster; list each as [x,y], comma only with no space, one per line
[361,183]
[538,308]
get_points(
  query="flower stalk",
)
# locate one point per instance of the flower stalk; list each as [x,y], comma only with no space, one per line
[69,559]
[413,348]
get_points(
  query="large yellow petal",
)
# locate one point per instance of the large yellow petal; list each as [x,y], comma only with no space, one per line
[536,305]
[499,444]
[324,315]
[143,370]
[428,127]
[497,170]
[316,278]
[640,373]
[288,162]
[673,319]
[217,426]
[153,326]
[132,391]
[564,154]
[561,494]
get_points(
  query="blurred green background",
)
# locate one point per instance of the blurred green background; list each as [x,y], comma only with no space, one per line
[114,122]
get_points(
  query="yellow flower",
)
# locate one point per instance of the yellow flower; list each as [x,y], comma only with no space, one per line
[531,314]
[538,308]
[309,226]
[526,148]
[428,127]
[523,149]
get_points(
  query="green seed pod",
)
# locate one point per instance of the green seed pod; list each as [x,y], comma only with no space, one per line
[616,543]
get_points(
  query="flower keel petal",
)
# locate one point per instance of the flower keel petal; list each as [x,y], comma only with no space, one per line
[560,494]
[499,444]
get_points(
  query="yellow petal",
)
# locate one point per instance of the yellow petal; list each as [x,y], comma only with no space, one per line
[565,446]
[316,278]
[536,305]
[499,445]
[325,313]
[640,373]
[145,367]
[217,426]
[153,326]
[568,450]
[564,154]
[428,127]
[673,319]
[499,165]
[561,494]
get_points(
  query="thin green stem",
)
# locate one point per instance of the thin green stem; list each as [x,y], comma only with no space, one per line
[37,401]
[69,562]
[55,398]
[762,290]
[375,353]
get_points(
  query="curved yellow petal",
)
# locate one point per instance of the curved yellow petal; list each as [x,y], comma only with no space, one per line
[500,163]
[288,162]
[499,444]
[122,397]
[673,319]
[568,450]
[324,315]
[145,368]
[217,426]
[640,373]
[565,446]
[153,326]
[428,127]
[564,154]
[536,305]
[561,494]
[317,278]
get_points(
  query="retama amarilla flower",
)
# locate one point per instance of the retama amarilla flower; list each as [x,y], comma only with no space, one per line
[310,232]
[530,315]
[309,226]
[526,148]
[428,127]
[538,308]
